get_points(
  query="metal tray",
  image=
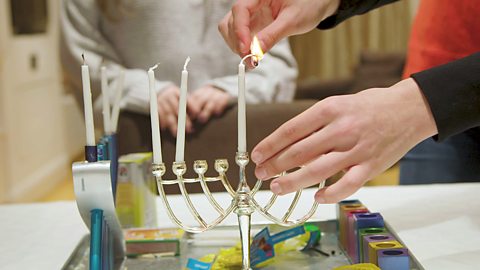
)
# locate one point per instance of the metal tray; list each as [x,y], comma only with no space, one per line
[199,245]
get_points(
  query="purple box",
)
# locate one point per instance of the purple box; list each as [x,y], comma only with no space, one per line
[393,259]
[367,239]
[360,221]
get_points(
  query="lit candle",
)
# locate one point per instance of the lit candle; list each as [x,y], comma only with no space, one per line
[256,55]
[87,105]
[156,142]
[182,114]
[242,132]
[106,102]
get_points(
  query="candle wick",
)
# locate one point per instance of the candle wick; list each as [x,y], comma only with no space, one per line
[186,63]
[154,67]
[83,57]
[246,57]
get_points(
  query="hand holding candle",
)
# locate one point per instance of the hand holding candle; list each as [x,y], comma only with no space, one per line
[182,114]
[156,140]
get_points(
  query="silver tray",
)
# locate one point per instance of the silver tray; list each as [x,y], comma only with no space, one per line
[327,256]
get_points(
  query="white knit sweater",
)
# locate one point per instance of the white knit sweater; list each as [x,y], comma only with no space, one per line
[165,31]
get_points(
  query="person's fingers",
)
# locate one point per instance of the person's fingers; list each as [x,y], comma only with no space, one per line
[241,11]
[222,103]
[193,106]
[162,114]
[223,27]
[172,124]
[339,136]
[330,138]
[353,180]
[276,31]
[188,125]
[313,173]
[173,103]
[207,111]
[295,129]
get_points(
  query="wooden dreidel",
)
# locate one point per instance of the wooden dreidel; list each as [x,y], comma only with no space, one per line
[350,231]
[393,259]
[367,231]
[362,221]
[367,239]
[376,246]
[343,212]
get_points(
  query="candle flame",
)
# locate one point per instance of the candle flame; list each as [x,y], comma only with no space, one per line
[256,49]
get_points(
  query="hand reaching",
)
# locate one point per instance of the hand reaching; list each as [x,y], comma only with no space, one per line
[271,21]
[168,110]
[207,101]
[362,134]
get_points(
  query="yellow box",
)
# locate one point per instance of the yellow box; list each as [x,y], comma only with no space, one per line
[375,246]
[136,191]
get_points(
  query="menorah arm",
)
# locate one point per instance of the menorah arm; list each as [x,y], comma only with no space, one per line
[209,195]
[286,223]
[293,205]
[189,180]
[180,169]
[193,229]
[284,220]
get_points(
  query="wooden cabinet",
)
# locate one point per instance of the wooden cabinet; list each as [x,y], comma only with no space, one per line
[33,144]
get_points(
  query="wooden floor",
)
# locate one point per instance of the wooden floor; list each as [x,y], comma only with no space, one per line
[64,191]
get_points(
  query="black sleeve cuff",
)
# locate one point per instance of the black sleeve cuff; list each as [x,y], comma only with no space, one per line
[453,93]
[350,8]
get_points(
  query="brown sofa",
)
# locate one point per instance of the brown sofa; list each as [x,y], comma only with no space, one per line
[218,138]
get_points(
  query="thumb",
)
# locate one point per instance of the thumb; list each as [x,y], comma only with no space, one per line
[276,31]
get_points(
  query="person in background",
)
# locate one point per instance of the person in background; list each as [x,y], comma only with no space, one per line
[362,134]
[135,35]
[441,33]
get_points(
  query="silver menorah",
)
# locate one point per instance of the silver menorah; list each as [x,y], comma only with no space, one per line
[243,202]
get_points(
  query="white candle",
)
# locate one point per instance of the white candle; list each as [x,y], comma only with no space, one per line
[242,132]
[87,105]
[106,102]
[182,114]
[116,102]
[156,142]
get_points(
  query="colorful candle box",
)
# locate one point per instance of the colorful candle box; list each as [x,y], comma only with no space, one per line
[367,239]
[345,211]
[153,241]
[350,231]
[361,221]
[393,259]
[136,191]
[364,232]
[376,246]
[344,202]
